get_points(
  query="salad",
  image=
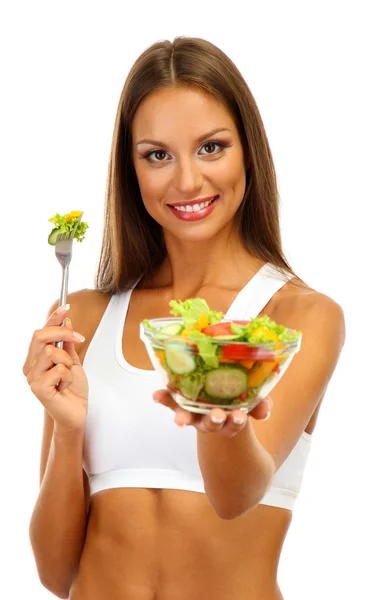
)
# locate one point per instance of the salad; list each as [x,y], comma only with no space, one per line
[208,361]
[65,224]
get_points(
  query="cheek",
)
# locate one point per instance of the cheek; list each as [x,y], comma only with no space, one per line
[231,176]
[151,182]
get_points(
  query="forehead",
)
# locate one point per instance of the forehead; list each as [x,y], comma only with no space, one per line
[169,113]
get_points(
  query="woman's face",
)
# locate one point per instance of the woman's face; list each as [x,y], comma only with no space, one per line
[189,162]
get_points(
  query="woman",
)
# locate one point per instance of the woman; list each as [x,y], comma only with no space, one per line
[132,507]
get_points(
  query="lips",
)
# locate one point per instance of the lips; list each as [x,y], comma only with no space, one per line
[193,202]
[194,210]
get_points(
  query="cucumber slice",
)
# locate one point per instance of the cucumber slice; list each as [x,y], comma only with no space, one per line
[179,358]
[165,332]
[52,239]
[226,382]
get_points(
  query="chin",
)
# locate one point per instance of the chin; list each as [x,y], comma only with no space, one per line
[202,232]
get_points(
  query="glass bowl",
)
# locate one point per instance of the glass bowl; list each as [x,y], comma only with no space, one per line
[234,374]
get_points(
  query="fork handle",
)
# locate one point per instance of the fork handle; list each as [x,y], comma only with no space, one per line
[63,296]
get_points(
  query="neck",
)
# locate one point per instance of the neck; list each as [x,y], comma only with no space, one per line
[218,262]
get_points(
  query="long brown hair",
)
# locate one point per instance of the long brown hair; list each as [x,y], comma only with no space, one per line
[133,242]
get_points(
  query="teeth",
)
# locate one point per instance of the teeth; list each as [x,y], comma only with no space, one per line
[195,207]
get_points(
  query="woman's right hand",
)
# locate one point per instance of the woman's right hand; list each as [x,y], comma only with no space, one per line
[55,375]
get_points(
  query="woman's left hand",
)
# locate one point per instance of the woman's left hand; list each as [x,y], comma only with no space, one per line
[217,420]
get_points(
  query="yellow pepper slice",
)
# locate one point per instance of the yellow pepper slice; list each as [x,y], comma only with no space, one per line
[248,364]
[161,356]
[271,335]
[201,322]
[257,377]
[187,332]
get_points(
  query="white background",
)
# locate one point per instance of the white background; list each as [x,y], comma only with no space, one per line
[307,63]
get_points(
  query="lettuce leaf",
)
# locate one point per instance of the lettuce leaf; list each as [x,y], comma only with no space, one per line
[207,349]
[191,384]
[192,309]
[66,225]
[246,331]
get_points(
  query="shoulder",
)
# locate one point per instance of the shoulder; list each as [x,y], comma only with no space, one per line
[86,309]
[83,301]
[303,308]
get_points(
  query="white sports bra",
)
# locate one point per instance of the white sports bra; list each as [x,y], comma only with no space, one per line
[131,441]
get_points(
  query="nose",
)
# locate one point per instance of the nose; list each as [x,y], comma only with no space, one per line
[188,178]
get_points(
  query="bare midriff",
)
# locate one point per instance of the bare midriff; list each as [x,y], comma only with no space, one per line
[147,544]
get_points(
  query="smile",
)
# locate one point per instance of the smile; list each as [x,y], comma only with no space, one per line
[196,211]
[194,207]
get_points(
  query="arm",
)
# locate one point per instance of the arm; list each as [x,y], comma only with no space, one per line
[58,523]
[237,470]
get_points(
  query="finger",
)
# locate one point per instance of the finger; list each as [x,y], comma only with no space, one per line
[262,411]
[44,387]
[223,424]
[69,347]
[48,335]
[47,359]
[214,421]
[164,397]
[58,316]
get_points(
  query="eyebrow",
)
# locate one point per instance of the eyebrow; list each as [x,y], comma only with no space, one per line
[200,139]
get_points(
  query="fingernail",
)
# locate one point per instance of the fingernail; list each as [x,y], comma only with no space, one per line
[217,420]
[239,420]
[267,416]
[79,337]
[63,307]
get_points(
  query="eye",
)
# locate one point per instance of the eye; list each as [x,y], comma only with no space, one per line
[213,145]
[155,153]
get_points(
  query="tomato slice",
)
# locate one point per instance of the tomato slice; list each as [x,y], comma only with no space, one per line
[218,329]
[241,352]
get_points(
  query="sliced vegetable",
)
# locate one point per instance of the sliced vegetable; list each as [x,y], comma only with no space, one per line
[243,352]
[247,364]
[201,322]
[186,332]
[173,329]
[52,239]
[265,334]
[161,356]
[226,382]
[259,375]
[220,329]
[178,358]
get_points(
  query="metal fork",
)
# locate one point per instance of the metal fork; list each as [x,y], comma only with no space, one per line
[64,255]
